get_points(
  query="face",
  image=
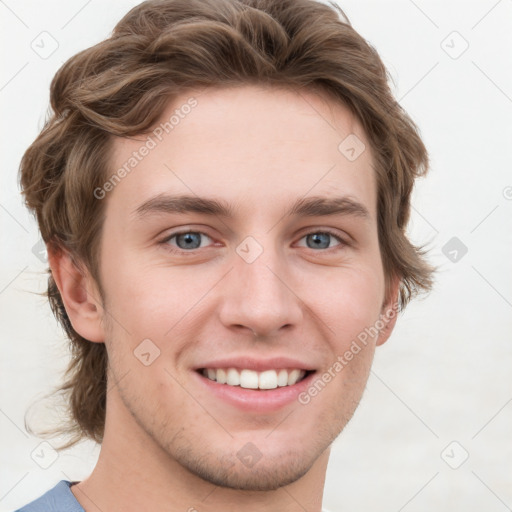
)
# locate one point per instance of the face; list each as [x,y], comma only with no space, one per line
[266,274]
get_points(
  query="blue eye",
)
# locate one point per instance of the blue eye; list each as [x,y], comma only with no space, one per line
[321,239]
[188,241]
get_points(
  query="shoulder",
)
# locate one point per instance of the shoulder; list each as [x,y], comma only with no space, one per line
[58,499]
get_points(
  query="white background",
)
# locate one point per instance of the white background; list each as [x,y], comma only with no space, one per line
[444,376]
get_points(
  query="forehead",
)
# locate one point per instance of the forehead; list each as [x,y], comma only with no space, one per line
[256,147]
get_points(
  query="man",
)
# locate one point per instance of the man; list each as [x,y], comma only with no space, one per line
[223,189]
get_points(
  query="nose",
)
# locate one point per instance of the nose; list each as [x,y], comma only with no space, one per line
[259,296]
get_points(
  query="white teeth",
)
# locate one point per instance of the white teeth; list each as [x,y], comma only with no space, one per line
[250,379]
[221,376]
[233,377]
[293,377]
[282,378]
[268,380]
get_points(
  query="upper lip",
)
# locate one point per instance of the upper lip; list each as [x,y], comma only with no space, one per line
[251,363]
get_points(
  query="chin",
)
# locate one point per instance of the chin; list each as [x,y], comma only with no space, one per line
[265,475]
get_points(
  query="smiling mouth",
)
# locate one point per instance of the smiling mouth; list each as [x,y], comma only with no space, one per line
[250,379]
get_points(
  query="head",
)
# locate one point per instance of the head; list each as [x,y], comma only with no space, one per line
[263,106]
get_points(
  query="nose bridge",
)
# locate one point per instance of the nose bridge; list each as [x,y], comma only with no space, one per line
[259,295]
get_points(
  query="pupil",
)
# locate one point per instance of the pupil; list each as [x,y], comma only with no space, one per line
[317,237]
[189,238]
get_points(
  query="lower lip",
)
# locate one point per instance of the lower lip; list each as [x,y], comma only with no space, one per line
[253,400]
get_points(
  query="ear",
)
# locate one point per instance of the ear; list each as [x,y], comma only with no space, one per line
[79,293]
[389,311]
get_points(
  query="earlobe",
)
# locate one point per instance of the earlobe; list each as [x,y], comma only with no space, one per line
[79,294]
[389,313]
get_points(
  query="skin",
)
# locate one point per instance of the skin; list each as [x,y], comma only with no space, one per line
[168,444]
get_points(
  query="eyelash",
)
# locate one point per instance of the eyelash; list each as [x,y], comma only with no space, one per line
[172,249]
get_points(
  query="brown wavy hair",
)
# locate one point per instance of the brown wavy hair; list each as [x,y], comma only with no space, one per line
[161,49]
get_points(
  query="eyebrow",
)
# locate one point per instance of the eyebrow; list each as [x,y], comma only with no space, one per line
[314,206]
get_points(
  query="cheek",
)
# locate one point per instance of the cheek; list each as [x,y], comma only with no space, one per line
[349,301]
[145,299]
[163,305]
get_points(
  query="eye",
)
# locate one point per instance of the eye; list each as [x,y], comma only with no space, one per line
[322,240]
[185,241]
[188,241]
